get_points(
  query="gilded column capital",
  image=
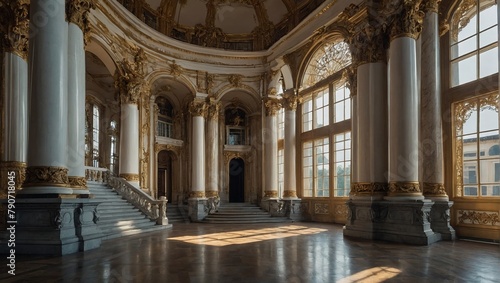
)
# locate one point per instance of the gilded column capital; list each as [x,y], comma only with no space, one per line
[290,102]
[77,12]
[405,18]
[213,110]
[430,6]
[129,79]
[14,26]
[368,44]
[198,108]
[272,106]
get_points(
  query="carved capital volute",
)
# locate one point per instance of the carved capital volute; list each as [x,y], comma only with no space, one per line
[213,110]
[368,44]
[406,18]
[430,6]
[14,26]
[77,12]
[290,101]
[129,82]
[272,106]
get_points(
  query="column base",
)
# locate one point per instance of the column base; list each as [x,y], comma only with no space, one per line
[197,209]
[53,227]
[440,220]
[294,209]
[402,222]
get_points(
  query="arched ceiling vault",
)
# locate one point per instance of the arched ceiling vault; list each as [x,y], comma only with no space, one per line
[247,25]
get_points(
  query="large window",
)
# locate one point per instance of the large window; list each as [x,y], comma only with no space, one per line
[165,125]
[474,42]
[95,135]
[113,153]
[342,155]
[316,168]
[236,126]
[341,102]
[477,143]
[315,111]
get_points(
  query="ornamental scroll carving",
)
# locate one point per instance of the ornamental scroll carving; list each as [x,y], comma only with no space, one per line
[368,44]
[478,217]
[130,82]
[213,110]
[14,26]
[46,175]
[198,108]
[290,102]
[434,189]
[405,18]
[404,188]
[358,188]
[77,12]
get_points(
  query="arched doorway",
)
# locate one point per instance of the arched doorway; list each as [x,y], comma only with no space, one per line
[236,180]
[164,181]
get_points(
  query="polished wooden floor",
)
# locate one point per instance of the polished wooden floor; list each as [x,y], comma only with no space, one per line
[292,252]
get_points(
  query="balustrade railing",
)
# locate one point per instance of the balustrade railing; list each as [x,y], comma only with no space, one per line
[155,209]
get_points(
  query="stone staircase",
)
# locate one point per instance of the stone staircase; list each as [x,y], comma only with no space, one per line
[117,217]
[177,214]
[242,213]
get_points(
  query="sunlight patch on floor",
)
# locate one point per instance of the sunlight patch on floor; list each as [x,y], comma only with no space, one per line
[372,275]
[248,236]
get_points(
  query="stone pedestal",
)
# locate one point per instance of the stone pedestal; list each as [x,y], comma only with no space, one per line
[54,226]
[440,220]
[405,222]
[197,209]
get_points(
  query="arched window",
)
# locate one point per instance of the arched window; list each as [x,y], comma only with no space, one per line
[236,126]
[165,126]
[473,42]
[326,110]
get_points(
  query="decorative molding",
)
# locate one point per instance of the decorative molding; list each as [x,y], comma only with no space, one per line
[404,188]
[360,188]
[130,177]
[175,70]
[197,194]
[77,182]
[272,106]
[460,19]
[290,194]
[14,26]
[350,75]
[433,189]
[290,102]
[321,208]
[270,194]
[430,6]
[405,18]
[46,176]
[213,110]
[478,217]
[230,155]
[211,194]
[235,80]
[77,12]
[368,44]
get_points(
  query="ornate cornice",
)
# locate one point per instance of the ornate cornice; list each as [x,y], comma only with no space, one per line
[404,188]
[14,26]
[198,108]
[272,106]
[405,18]
[129,81]
[77,12]
[46,176]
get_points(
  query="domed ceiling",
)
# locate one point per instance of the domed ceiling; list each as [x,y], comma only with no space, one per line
[248,25]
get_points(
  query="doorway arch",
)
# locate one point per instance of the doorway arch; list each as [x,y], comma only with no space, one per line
[236,180]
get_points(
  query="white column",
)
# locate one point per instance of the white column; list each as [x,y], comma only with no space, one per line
[271,149]
[129,143]
[76,110]
[290,181]
[431,124]
[47,171]
[198,111]
[403,121]
[212,189]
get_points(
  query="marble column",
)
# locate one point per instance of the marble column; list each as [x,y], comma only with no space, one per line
[131,87]
[14,93]
[47,171]
[369,56]
[404,105]
[272,107]
[76,14]
[197,199]
[212,189]
[351,76]
[290,172]
[431,124]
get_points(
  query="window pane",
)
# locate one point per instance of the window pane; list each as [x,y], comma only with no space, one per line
[470,126]
[488,37]
[469,29]
[466,46]
[488,170]
[488,17]
[488,119]
[464,71]
[488,64]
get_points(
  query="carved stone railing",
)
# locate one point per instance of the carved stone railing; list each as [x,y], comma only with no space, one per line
[94,174]
[155,209]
